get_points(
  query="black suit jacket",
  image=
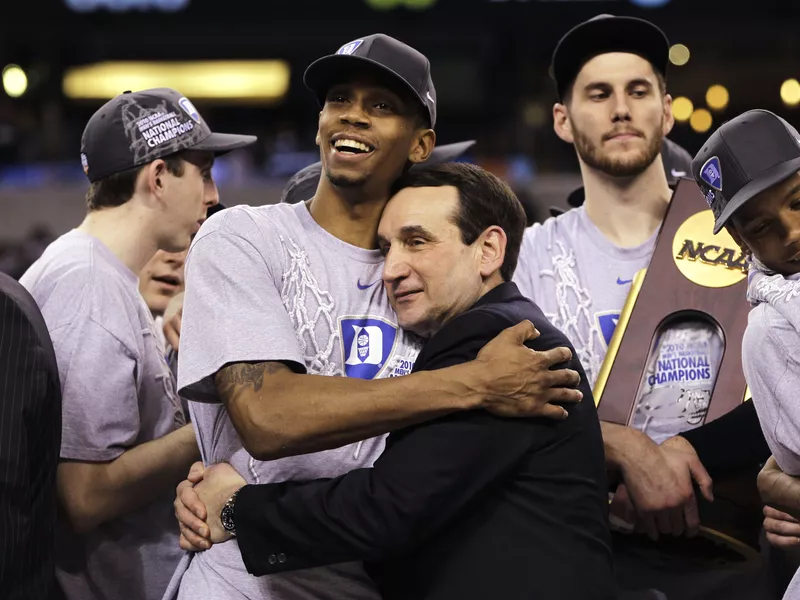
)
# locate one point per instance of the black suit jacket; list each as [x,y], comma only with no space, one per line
[30,441]
[465,506]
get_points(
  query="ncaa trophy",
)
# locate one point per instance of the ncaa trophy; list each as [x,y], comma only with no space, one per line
[674,361]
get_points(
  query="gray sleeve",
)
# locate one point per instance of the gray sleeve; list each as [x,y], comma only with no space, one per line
[233,310]
[100,408]
[526,265]
[770,352]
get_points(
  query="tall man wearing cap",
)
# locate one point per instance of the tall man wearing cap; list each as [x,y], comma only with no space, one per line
[749,172]
[124,445]
[295,292]
[613,107]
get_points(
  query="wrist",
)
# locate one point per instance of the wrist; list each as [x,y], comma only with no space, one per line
[621,444]
[227,515]
[468,386]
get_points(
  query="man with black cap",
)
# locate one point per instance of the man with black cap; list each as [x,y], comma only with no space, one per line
[749,172]
[613,107]
[124,445]
[279,295]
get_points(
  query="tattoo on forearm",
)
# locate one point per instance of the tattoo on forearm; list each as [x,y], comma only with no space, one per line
[247,374]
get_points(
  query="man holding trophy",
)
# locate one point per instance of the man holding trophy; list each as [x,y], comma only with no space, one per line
[610,75]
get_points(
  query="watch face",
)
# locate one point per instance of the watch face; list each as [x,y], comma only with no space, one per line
[226,516]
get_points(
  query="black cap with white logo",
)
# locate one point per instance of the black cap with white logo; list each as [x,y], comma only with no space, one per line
[388,56]
[744,157]
[603,34]
[136,128]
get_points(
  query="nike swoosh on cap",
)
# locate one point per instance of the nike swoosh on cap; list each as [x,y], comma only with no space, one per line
[366,287]
[623,281]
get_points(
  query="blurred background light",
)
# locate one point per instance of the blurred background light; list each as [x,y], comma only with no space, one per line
[247,80]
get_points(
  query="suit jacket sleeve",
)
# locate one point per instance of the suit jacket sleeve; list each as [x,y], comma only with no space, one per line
[425,477]
[29,441]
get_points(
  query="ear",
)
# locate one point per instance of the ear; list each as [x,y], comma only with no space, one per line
[423,146]
[562,124]
[669,118]
[492,250]
[153,178]
[738,239]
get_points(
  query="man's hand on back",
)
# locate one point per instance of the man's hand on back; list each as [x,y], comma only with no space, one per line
[517,381]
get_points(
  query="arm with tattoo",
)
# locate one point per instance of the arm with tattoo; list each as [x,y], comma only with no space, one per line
[280,413]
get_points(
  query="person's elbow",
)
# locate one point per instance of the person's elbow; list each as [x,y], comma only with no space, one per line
[267,434]
[79,512]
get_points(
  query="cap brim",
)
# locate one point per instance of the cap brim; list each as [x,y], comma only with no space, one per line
[773,176]
[220,143]
[448,152]
[327,71]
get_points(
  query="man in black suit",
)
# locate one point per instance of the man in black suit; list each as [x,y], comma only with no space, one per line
[30,439]
[470,505]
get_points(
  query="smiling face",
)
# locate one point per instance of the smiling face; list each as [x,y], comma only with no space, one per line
[161,279]
[616,114]
[368,132]
[768,225]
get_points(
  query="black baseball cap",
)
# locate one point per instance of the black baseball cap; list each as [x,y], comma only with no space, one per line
[303,184]
[603,34]
[136,128]
[744,157]
[388,56]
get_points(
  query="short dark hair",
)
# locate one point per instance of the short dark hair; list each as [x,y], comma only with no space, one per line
[484,200]
[117,189]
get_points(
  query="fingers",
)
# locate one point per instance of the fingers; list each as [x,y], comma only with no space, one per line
[691,515]
[187,498]
[555,356]
[521,332]
[564,395]
[551,411]
[647,524]
[192,542]
[703,479]
[562,378]
[196,472]
[784,542]
[774,513]
[622,515]
[173,338]
[192,527]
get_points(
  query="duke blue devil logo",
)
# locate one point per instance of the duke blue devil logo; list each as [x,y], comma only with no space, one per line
[350,47]
[189,109]
[608,324]
[712,174]
[367,343]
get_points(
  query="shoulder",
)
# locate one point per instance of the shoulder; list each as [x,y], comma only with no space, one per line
[544,235]
[244,230]
[249,222]
[768,331]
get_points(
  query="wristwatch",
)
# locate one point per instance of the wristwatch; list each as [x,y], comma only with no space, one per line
[226,515]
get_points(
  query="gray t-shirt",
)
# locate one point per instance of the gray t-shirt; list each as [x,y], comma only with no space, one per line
[117,393]
[268,284]
[581,280]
